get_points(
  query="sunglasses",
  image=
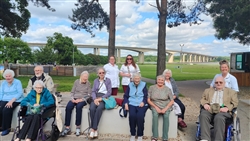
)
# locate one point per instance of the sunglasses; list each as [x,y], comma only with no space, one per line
[101,72]
[129,58]
[218,82]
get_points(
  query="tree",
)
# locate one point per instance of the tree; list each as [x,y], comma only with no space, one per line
[15,49]
[172,13]
[231,19]
[14,16]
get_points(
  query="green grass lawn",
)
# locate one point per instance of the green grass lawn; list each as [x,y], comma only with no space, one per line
[188,72]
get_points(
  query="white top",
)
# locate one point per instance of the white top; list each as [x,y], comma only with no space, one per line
[231,82]
[168,84]
[124,69]
[218,97]
[112,72]
[102,88]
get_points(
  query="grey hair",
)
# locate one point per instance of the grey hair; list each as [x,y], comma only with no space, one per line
[161,76]
[84,72]
[38,82]
[8,71]
[39,66]
[136,75]
[100,68]
[165,71]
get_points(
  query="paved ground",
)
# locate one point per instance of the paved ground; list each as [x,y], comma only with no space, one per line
[192,89]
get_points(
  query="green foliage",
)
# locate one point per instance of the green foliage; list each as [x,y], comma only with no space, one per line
[14,16]
[89,15]
[231,19]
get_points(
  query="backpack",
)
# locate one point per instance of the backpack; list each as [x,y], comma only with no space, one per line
[54,134]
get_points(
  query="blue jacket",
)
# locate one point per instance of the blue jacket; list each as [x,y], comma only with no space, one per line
[46,98]
[135,95]
[8,92]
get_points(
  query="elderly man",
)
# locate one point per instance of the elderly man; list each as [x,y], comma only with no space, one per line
[40,75]
[218,104]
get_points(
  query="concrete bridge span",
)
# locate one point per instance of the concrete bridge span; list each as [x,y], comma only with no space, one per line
[184,56]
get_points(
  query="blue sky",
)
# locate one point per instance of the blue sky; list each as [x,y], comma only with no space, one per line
[136,26]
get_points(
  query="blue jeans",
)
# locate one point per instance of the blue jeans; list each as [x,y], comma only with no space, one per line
[69,109]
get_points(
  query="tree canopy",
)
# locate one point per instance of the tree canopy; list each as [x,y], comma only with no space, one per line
[231,19]
[14,16]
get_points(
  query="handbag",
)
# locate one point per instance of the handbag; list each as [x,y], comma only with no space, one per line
[123,111]
[110,102]
[215,108]
[32,110]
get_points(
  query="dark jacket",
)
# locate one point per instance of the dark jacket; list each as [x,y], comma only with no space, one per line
[46,98]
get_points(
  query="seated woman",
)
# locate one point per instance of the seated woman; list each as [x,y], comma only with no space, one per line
[160,99]
[101,89]
[11,94]
[38,96]
[80,91]
[135,100]
[170,83]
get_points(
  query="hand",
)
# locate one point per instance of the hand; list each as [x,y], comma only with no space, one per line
[158,110]
[79,100]
[128,75]
[174,96]
[73,101]
[163,111]
[36,104]
[126,106]
[224,109]
[206,107]
[96,101]
[9,104]
[141,104]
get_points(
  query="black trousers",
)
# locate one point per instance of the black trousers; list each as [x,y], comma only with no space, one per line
[6,114]
[182,106]
[30,127]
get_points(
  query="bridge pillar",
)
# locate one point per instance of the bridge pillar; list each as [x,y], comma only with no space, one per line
[97,51]
[170,57]
[141,57]
[118,55]
[207,59]
[195,58]
[184,57]
[199,58]
[203,58]
[189,58]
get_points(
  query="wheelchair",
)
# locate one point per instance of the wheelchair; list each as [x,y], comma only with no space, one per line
[46,115]
[233,132]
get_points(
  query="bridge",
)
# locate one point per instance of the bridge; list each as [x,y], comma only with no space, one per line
[184,56]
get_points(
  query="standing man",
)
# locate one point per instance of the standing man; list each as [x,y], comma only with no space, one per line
[217,105]
[40,75]
[6,64]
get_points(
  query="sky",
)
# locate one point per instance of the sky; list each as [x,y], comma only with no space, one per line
[136,26]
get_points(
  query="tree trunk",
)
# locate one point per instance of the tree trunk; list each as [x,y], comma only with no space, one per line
[112,20]
[161,52]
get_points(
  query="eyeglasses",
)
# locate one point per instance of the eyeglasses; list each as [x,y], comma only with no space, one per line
[39,87]
[129,58]
[101,72]
[218,82]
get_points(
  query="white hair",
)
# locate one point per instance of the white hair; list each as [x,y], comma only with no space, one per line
[136,75]
[8,71]
[40,66]
[167,70]
[161,76]
[100,68]
[40,82]
[84,72]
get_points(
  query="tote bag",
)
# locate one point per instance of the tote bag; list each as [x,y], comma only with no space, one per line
[110,102]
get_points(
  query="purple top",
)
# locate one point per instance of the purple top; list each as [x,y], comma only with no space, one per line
[96,85]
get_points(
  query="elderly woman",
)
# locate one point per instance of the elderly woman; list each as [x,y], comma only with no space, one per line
[231,81]
[135,100]
[160,99]
[170,83]
[79,94]
[38,97]
[101,89]
[112,72]
[127,70]
[11,94]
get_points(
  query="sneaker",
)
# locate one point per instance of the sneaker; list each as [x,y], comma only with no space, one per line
[65,132]
[132,138]
[139,139]
[5,132]
[95,134]
[78,131]
[91,135]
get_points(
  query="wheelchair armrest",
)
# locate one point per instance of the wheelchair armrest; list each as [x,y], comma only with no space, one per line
[22,111]
[234,110]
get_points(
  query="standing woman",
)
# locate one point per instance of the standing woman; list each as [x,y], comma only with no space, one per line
[112,72]
[11,94]
[231,81]
[127,70]
[160,99]
[170,83]
[101,89]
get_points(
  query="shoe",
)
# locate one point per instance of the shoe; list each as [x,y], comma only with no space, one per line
[78,131]
[203,140]
[91,135]
[132,138]
[182,124]
[139,139]
[65,132]
[5,132]
[153,139]
[95,134]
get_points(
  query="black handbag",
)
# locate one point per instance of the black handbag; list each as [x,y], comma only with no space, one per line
[54,134]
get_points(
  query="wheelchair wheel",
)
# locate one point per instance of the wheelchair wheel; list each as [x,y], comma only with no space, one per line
[237,133]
